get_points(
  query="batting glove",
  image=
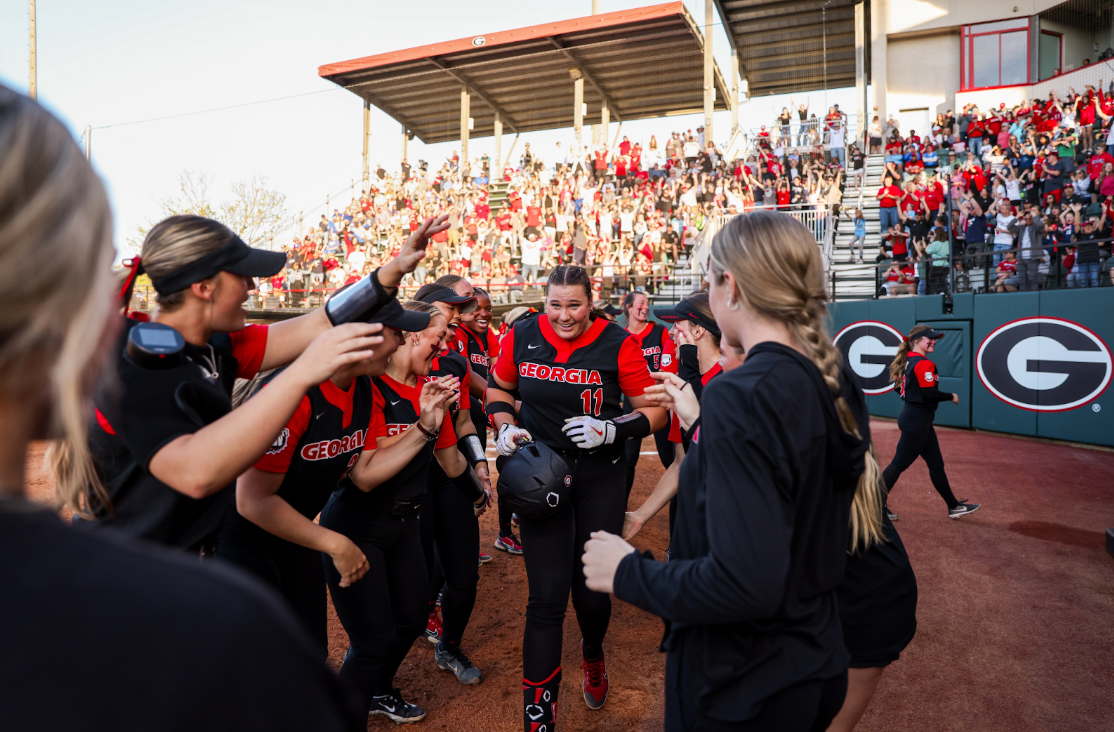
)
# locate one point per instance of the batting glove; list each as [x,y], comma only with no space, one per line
[588,432]
[509,438]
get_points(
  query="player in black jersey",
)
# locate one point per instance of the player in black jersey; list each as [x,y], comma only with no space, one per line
[694,325]
[918,383]
[476,342]
[570,368]
[273,534]
[449,529]
[378,510]
[660,353]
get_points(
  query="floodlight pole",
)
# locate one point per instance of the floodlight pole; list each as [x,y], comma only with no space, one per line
[498,162]
[465,113]
[709,75]
[578,111]
[367,138]
[89,143]
[824,35]
[34,83]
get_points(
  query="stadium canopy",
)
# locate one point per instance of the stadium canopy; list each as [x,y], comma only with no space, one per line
[634,64]
[781,43]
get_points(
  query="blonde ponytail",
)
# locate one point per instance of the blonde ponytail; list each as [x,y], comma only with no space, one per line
[897,366]
[779,274]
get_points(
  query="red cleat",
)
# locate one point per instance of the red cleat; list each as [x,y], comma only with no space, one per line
[595,680]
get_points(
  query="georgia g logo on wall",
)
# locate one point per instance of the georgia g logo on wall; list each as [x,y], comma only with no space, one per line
[1044,364]
[869,347]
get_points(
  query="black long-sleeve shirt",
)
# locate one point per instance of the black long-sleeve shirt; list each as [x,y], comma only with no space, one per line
[761,536]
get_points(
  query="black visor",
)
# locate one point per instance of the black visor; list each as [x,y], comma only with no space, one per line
[235,257]
[684,311]
[393,315]
[433,292]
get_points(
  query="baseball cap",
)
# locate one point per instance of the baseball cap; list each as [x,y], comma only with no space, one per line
[685,311]
[433,292]
[924,331]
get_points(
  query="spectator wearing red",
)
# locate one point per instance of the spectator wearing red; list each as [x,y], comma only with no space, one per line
[888,197]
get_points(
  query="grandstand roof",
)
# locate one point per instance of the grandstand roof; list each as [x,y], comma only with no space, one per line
[781,43]
[647,62]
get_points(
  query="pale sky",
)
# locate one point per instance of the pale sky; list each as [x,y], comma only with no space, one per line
[112,62]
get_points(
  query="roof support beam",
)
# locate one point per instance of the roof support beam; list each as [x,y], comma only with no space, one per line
[464,80]
[560,46]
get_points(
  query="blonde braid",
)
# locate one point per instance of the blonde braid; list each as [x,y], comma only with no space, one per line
[779,275]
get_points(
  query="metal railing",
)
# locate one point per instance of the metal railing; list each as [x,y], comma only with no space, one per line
[818,220]
[976,271]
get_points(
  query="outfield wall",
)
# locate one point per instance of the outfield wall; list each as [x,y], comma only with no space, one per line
[1026,363]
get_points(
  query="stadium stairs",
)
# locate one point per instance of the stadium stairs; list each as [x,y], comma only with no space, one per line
[854,281]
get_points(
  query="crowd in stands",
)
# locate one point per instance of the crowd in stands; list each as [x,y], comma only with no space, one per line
[624,213]
[1031,189]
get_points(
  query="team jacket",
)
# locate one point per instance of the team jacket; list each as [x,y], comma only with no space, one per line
[478,350]
[318,446]
[657,348]
[153,408]
[558,379]
[395,410]
[919,383]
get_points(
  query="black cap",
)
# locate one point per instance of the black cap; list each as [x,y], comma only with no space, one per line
[235,257]
[924,331]
[685,311]
[434,292]
[393,315]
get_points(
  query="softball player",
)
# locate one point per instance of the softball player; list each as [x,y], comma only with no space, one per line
[449,530]
[694,326]
[918,382]
[378,510]
[272,534]
[167,446]
[570,369]
[660,353]
[476,341]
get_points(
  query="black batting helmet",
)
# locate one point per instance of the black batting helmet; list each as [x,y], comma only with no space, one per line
[534,481]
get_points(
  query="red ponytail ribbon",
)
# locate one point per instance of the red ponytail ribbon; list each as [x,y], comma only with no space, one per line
[136,268]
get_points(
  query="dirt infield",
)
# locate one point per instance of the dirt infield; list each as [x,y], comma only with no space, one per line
[1016,611]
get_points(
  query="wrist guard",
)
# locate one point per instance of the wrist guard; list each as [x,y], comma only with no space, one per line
[473,451]
[631,426]
[357,303]
[469,484]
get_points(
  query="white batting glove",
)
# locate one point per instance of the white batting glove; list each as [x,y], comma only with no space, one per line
[509,438]
[588,432]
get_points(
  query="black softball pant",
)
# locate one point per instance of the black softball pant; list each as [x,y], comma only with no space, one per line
[918,439]
[450,534]
[385,610]
[295,571]
[553,547]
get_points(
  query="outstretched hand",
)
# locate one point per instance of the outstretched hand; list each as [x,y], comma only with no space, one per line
[673,392]
[414,249]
